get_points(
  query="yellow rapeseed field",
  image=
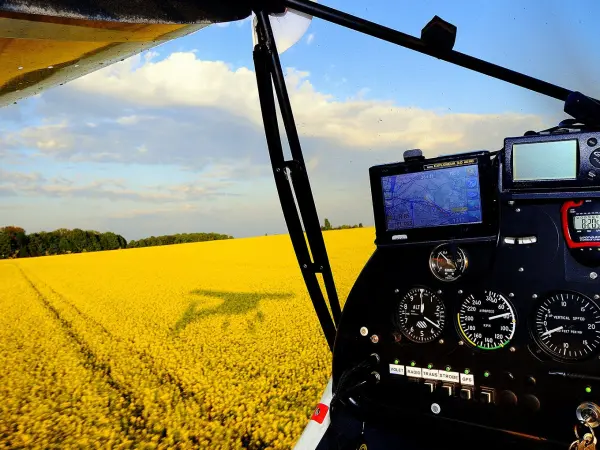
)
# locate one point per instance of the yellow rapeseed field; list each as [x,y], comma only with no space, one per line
[210,345]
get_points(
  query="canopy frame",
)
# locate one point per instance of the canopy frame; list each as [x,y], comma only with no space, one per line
[269,74]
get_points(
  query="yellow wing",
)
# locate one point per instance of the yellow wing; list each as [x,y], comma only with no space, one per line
[43,44]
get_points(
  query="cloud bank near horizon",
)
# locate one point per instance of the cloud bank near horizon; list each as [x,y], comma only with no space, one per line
[157,146]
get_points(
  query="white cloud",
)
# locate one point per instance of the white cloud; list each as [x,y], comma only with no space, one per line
[128,120]
[200,121]
[310,38]
[7,177]
[135,213]
[50,138]
[183,80]
[13,183]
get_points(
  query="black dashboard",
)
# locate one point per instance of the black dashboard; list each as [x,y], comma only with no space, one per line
[480,308]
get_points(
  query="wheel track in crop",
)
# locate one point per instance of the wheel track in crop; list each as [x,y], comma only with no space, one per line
[91,360]
[146,358]
[101,368]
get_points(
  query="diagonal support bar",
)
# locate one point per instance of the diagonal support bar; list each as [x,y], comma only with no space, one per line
[405,40]
[268,75]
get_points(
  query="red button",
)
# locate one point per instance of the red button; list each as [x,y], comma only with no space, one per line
[320,413]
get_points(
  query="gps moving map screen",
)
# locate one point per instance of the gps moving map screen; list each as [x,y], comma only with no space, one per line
[433,198]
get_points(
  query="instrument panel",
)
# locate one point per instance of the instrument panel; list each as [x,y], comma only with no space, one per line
[494,348]
[497,329]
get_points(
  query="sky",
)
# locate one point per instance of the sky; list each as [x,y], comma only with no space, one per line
[171,141]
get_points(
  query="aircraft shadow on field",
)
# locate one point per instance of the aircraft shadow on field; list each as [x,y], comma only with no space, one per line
[234,304]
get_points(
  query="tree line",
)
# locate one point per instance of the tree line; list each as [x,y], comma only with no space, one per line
[182,238]
[16,243]
[327,226]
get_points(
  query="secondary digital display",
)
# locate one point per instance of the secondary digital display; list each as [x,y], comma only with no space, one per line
[555,160]
[588,222]
[433,198]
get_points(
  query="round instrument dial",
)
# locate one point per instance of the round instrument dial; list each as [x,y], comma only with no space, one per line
[567,326]
[446,263]
[487,321]
[595,158]
[421,315]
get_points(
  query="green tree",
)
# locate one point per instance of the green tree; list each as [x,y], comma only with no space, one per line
[327,224]
[64,244]
[109,241]
[78,240]
[5,251]
[17,236]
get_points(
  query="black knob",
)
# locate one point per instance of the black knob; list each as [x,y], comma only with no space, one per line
[530,402]
[592,142]
[531,381]
[413,155]
[507,398]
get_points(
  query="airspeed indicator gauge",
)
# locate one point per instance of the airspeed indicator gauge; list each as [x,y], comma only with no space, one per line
[487,321]
[448,263]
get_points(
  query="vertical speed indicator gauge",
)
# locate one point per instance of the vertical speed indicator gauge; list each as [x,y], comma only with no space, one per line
[421,315]
[487,321]
[566,325]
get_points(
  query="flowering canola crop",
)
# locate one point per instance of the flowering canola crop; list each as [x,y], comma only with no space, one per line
[209,345]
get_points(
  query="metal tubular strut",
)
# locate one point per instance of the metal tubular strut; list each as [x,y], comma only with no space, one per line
[405,40]
[268,74]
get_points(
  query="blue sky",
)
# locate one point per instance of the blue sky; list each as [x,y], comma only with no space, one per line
[172,141]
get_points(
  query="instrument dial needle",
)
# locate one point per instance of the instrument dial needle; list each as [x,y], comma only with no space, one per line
[432,322]
[549,332]
[499,316]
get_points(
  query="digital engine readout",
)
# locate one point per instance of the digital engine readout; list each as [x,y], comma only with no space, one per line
[587,222]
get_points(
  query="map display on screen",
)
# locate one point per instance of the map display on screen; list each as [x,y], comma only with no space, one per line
[434,198]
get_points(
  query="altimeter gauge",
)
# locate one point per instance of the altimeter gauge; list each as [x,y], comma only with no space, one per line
[421,315]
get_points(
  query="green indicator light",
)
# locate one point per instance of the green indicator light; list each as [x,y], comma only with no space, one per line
[396,361]
[448,368]
[429,366]
[413,364]
[588,389]
[486,374]
[467,371]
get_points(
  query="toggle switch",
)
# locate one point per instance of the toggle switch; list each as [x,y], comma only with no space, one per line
[486,397]
[429,386]
[448,390]
[466,394]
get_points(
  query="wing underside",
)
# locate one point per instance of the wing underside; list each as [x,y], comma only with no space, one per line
[47,43]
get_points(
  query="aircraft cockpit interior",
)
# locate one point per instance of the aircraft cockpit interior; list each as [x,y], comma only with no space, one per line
[480,309]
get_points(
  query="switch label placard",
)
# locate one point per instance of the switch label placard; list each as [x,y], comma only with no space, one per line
[431,374]
[452,377]
[396,369]
[413,372]
[468,380]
